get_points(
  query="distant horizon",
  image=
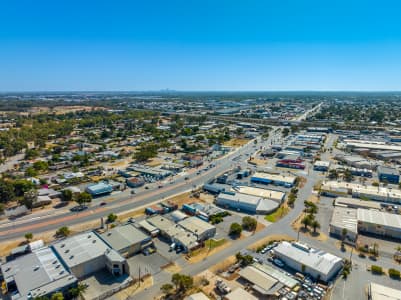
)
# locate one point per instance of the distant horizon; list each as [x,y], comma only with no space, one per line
[201,91]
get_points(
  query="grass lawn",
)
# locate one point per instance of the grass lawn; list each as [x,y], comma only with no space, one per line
[278,214]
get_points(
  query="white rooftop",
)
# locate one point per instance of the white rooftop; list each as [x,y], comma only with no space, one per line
[259,192]
[80,248]
[345,217]
[275,177]
[381,292]
[37,273]
[379,218]
[313,258]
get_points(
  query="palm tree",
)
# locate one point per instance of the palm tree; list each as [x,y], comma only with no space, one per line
[306,221]
[78,291]
[315,224]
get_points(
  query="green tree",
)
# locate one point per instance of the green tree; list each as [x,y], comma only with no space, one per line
[146,151]
[21,186]
[182,282]
[78,291]
[63,231]
[40,166]
[6,191]
[83,198]
[28,236]
[57,296]
[111,218]
[306,221]
[315,225]
[30,197]
[66,195]
[249,223]
[31,172]
[31,154]
[166,288]
[235,229]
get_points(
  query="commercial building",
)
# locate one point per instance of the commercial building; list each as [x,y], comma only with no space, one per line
[147,227]
[344,218]
[357,203]
[134,182]
[261,282]
[381,292]
[86,253]
[277,196]
[198,227]
[317,263]
[384,194]
[320,165]
[174,232]
[379,223]
[390,175]
[267,178]
[246,203]
[37,274]
[266,281]
[356,161]
[99,189]
[155,173]
[126,239]
[352,144]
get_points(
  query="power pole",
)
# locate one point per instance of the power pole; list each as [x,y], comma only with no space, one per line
[139,275]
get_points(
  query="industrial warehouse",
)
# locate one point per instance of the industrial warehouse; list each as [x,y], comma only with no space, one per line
[87,253]
[267,178]
[317,263]
[361,220]
[38,274]
[246,203]
[342,189]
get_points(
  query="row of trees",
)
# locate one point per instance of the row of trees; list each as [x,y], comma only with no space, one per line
[248,223]
[309,219]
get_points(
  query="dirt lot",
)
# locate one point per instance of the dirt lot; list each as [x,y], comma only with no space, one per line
[236,142]
[203,253]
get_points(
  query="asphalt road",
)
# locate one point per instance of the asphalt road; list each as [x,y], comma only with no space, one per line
[125,201]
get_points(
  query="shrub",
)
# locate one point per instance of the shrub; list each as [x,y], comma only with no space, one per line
[249,223]
[393,273]
[376,269]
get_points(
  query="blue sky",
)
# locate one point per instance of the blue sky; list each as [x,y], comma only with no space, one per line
[200,45]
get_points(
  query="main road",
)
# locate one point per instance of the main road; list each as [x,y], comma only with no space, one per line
[125,201]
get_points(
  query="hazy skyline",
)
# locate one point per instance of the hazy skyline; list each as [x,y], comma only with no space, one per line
[210,45]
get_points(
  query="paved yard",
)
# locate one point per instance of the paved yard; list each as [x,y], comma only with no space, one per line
[102,282]
[141,264]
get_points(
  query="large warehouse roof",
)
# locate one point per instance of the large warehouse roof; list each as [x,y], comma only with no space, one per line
[275,177]
[80,248]
[259,192]
[344,217]
[195,225]
[379,218]
[124,236]
[37,273]
[313,258]
[258,278]
[381,292]
[357,203]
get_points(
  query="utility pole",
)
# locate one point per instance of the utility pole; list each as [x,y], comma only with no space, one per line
[139,275]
